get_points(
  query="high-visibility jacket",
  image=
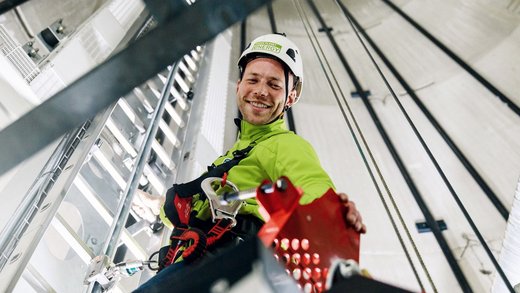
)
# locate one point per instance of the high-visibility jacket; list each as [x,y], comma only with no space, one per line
[277,152]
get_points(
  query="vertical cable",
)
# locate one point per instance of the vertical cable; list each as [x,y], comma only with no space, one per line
[274,29]
[496,92]
[460,155]
[435,163]
[243,26]
[323,60]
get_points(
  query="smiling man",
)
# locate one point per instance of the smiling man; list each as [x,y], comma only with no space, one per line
[261,91]
[271,81]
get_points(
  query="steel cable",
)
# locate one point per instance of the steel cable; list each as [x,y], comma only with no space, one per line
[322,60]
[434,161]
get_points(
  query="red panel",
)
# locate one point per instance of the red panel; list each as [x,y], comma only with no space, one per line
[307,238]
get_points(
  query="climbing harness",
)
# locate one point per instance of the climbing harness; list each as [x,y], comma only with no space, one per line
[189,242]
[178,198]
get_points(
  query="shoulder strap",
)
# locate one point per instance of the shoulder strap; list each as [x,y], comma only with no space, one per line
[193,187]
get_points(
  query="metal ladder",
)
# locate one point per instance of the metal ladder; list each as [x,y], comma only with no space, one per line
[86,189]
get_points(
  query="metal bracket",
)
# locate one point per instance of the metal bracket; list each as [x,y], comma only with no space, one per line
[32,52]
[53,34]
[99,271]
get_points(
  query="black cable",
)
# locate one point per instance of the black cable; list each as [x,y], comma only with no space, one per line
[452,261]
[290,120]
[456,150]
[457,59]
[436,164]
[274,29]
[272,22]
[150,261]
[243,37]
[378,189]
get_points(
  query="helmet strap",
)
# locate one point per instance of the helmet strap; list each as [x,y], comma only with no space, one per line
[286,73]
[285,107]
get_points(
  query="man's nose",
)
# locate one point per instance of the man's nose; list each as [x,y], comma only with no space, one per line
[261,90]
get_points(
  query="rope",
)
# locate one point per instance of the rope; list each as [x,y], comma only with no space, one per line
[372,176]
[434,161]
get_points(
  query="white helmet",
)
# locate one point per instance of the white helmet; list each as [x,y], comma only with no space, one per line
[280,47]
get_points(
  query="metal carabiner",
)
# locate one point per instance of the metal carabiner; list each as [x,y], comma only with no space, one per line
[219,210]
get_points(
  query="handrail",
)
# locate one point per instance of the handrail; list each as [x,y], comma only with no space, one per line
[142,156]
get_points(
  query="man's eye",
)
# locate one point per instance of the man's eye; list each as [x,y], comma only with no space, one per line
[275,86]
[251,80]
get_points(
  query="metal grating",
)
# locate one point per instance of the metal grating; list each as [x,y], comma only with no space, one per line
[17,56]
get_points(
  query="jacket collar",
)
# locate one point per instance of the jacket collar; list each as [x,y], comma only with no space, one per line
[252,132]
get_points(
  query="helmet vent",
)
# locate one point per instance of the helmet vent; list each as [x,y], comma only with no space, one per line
[290,53]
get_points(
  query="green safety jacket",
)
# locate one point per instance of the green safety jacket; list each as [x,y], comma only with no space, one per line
[277,152]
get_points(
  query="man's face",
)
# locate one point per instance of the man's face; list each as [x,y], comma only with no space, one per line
[261,91]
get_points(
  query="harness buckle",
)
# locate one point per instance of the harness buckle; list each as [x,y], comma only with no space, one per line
[218,210]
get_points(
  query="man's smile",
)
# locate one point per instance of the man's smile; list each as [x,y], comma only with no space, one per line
[259,104]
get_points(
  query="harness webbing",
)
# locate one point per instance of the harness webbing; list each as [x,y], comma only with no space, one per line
[187,190]
[189,242]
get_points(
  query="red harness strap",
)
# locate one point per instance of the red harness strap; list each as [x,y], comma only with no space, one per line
[220,228]
[192,242]
[188,242]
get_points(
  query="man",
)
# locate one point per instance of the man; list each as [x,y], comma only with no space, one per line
[271,79]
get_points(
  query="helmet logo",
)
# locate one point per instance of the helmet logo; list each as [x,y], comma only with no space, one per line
[267,46]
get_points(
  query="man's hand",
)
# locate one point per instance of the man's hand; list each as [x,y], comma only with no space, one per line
[353,217]
[147,206]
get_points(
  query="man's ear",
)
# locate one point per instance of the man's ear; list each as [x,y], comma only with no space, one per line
[238,83]
[291,98]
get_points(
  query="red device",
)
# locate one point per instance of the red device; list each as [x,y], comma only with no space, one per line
[307,239]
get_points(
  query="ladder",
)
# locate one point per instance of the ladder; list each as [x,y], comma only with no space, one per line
[80,205]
